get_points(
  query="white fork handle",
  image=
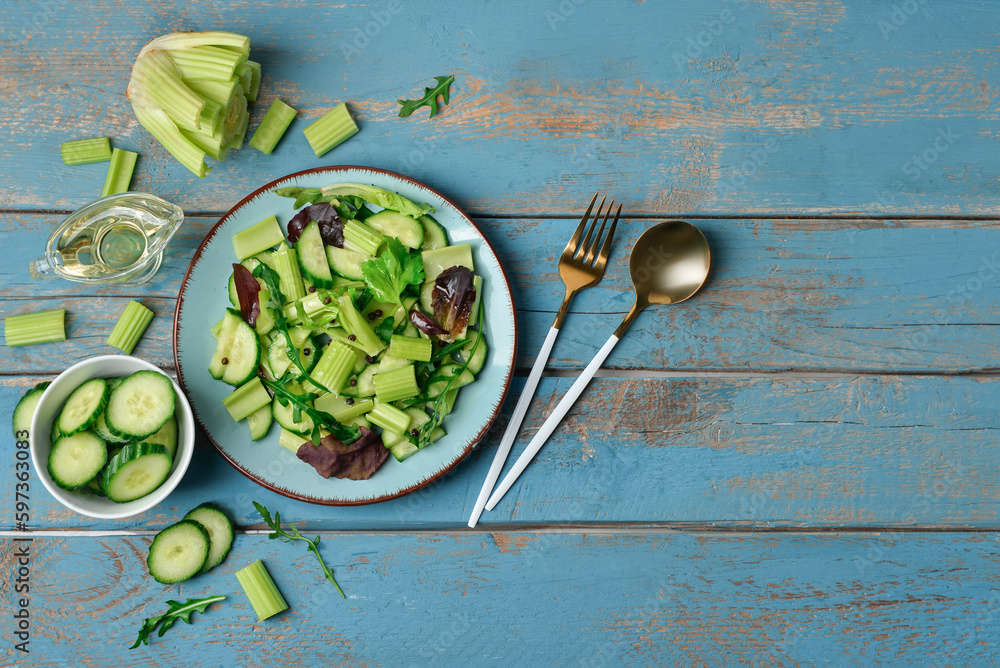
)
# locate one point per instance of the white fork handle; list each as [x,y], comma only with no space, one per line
[552,422]
[514,425]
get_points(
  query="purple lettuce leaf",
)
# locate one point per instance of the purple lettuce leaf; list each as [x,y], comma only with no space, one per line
[333,458]
[452,299]
[425,324]
[248,291]
[330,226]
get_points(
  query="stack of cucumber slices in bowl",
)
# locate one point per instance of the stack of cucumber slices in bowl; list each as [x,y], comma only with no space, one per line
[110,437]
[116,436]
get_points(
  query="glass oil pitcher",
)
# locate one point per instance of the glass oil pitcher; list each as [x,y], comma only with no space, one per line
[117,239]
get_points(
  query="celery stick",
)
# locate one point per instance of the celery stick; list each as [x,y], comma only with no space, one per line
[357,325]
[180,146]
[246,399]
[183,40]
[119,172]
[216,91]
[130,327]
[253,87]
[330,129]
[396,384]
[410,348]
[389,417]
[286,265]
[31,328]
[259,237]
[156,82]
[361,238]
[291,441]
[271,129]
[84,151]
[334,366]
[264,597]
[338,407]
[206,62]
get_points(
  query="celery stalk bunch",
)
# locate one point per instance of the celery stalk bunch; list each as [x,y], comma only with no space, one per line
[190,90]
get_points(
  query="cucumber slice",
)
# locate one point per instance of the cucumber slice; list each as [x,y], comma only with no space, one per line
[447,371]
[179,552]
[284,415]
[166,436]
[220,532]
[408,230]
[241,360]
[260,422]
[227,332]
[25,410]
[312,257]
[100,427]
[94,486]
[479,356]
[140,405]
[346,263]
[278,360]
[434,234]
[83,407]
[75,460]
[403,449]
[136,471]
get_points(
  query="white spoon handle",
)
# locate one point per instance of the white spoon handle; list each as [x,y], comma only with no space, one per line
[552,422]
[514,425]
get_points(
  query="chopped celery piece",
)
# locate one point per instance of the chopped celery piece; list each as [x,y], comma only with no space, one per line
[84,151]
[130,327]
[119,172]
[396,384]
[411,348]
[286,265]
[389,417]
[246,399]
[264,597]
[270,130]
[156,84]
[330,129]
[249,74]
[217,91]
[356,324]
[361,238]
[256,238]
[31,328]
[290,441]
[338,407]
[334,366]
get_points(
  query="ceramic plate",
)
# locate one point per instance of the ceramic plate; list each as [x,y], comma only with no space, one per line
[204,296]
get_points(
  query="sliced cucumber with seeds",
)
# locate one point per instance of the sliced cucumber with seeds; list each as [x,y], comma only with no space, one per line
[140,405]
[260,422]
[25,410]
[312,257]
[166,436]
[346,263]
[408,230]
[179,552]
[74,460]
[479,355]
[434,234]
[136,471]
[100,427]
[220,532]
[241,358]
[83,407]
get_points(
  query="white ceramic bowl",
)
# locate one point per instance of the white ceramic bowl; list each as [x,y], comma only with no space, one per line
[105,366]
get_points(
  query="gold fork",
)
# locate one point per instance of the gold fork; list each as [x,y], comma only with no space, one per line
[581,266]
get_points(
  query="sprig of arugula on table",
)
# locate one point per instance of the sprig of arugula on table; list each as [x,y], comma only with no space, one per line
[311,545]
[430,98]
[175,611]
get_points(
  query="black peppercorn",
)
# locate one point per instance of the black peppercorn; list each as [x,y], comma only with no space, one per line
[327,300]
[349,401]
[369,359]
[414,433]
[306,351]
[351,337]
[312,288]
[225,361]
[354,382]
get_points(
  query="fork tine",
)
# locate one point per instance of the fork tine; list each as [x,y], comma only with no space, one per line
[580,252]
[602,258]
[591,247]
[575,239]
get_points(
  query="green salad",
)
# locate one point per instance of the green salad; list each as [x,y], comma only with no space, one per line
[353,328]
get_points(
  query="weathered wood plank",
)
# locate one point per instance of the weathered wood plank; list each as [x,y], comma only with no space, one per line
[897,451]
[913,296]
[734,108]
[564,599]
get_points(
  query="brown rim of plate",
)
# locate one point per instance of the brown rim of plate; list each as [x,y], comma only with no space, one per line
[309,499]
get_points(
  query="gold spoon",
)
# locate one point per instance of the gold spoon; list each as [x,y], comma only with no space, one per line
[669,264]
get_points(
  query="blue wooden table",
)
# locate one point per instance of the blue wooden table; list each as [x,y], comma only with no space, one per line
[798,467]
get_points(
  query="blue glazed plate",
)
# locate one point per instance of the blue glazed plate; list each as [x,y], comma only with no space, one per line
[204,296]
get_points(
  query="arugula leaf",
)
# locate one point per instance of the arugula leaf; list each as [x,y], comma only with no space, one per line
[176,610]
[429,99]
[311,545]
[385,329]
[320,418]
[388,275]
